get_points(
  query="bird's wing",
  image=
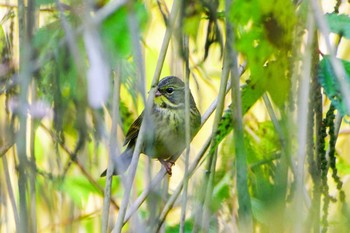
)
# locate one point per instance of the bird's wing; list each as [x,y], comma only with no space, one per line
[134,129]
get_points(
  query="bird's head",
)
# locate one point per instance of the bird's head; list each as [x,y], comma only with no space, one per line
[170,93]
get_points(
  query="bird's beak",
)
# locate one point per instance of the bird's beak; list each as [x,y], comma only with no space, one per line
[157,93]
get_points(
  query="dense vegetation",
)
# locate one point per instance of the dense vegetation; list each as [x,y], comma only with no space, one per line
[270,77]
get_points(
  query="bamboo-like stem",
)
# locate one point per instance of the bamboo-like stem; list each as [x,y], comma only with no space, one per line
[138,56]
[302,119]
[187,136]
[113,152]
[24,77]
[31,25]
[245,217]
[33,173]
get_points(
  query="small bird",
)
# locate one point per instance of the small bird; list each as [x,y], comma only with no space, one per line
[165,135]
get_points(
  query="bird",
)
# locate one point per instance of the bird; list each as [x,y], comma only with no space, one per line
[165,134]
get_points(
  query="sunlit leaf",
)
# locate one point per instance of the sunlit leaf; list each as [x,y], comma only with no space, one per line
[265,37]
[78,188]
[39,3]
[331,85]
[175,229]
[115,31]
[339,24]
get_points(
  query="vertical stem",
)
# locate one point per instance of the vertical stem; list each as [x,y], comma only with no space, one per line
[31,25]
[187,129]
[302,118]
[209,178]
[32,174]
[24,79]
[245,217]
[113,151]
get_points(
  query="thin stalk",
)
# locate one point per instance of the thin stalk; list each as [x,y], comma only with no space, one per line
[274,119]
[24,79]
[33,173]
[134,207]
[170,203]
[302,119]
[31,25]
[245,217]
[113,152]
[10,193]
[209,177]
[187,136]
[313,221]
[80,166]
[164,193]
[148,107]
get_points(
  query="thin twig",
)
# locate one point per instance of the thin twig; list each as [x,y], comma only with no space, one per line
[5,148]
[10,192]
[169,204]
[76,161]
[187,136]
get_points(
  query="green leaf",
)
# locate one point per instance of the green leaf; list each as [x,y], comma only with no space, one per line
[39,3]
[78,188]
[339,24]
[173,229]
[115,31]
[259,211]
[265,36]
[331,85]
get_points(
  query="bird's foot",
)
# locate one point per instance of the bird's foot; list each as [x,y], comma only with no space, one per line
[167,165]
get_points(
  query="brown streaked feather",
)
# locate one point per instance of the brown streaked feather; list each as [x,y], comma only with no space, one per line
[134,129]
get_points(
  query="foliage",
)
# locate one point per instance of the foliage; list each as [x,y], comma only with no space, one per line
[54,145]
[330,83]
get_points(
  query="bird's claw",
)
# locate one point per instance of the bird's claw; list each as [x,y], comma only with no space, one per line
[167,165]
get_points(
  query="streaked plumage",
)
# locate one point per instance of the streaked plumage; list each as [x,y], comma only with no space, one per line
[165,133]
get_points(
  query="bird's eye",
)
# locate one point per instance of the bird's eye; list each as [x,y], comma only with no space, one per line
[170,90]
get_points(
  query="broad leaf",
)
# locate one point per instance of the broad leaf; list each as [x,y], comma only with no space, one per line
[331,85]
[339,24]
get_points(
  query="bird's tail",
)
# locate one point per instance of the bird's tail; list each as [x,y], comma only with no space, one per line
[121,163]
